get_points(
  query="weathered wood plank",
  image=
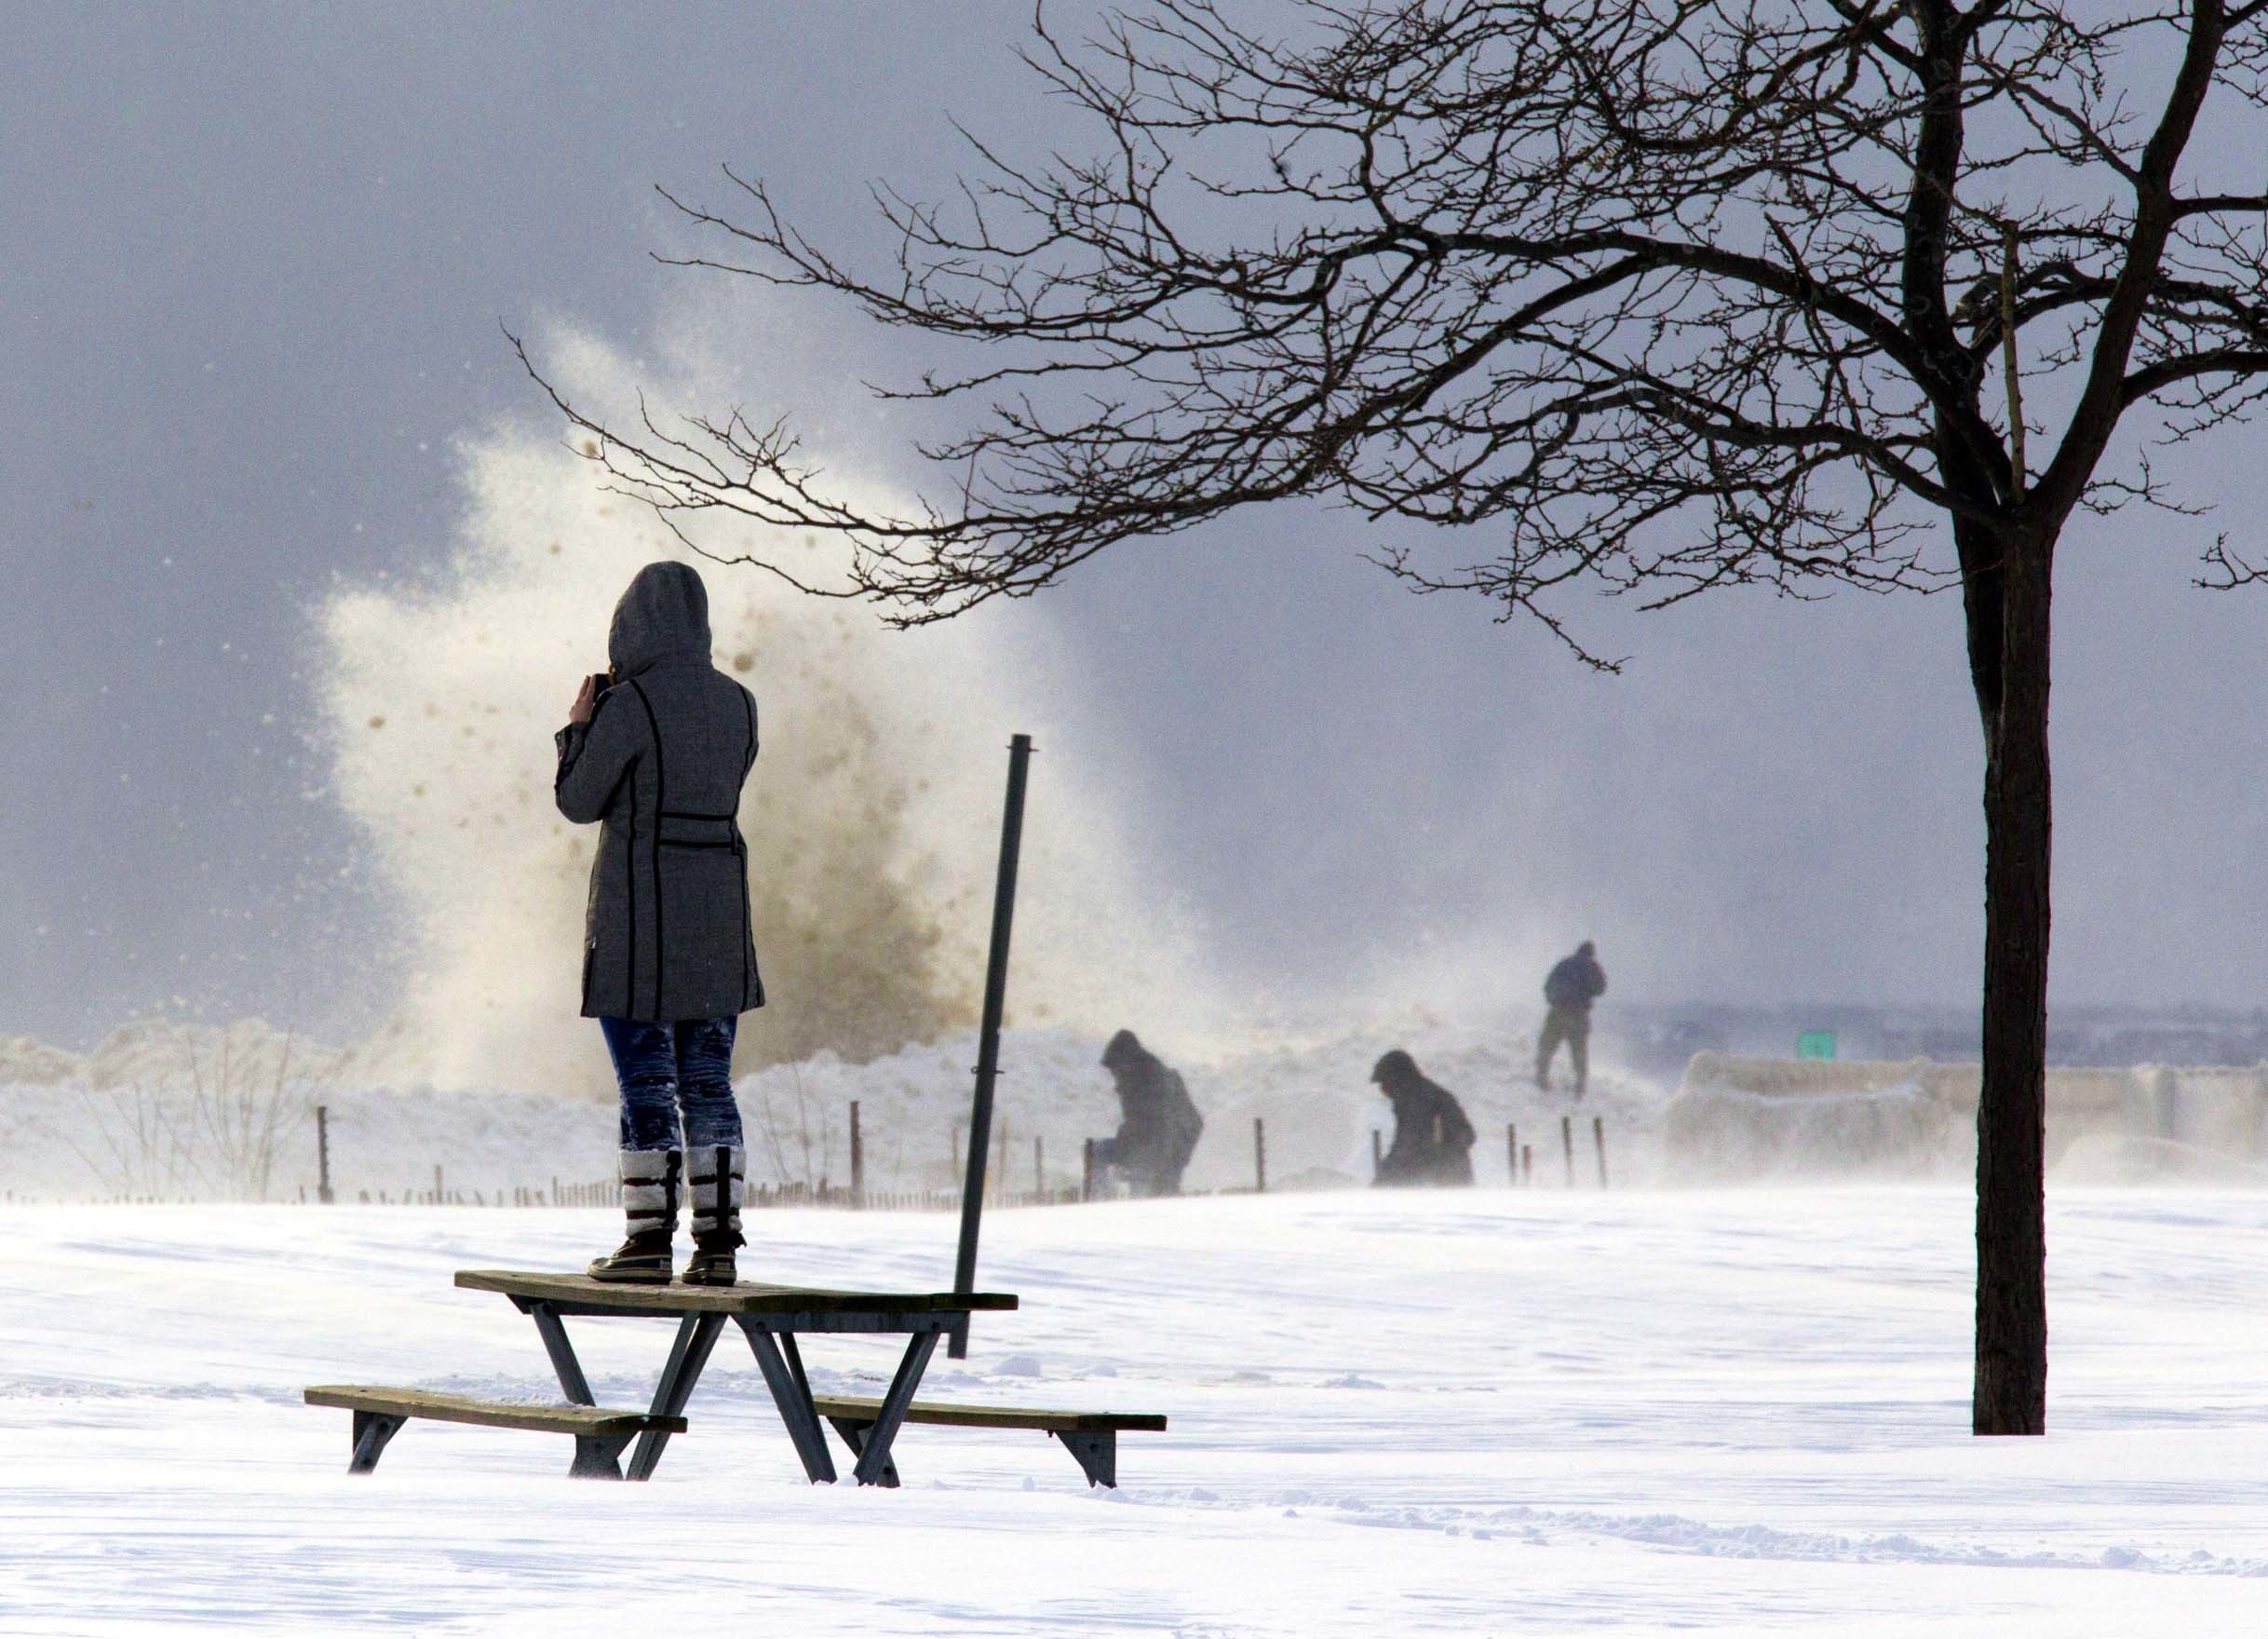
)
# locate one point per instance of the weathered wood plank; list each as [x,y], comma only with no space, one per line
[995,1416]
[488,1414]
[748,1298]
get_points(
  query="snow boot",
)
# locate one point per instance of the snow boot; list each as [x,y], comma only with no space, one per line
[719,1177]
[712,1265]
[649,1201]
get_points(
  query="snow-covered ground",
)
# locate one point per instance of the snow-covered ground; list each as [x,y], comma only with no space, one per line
[1469,1412]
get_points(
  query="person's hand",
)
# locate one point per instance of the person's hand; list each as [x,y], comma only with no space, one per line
[585,701]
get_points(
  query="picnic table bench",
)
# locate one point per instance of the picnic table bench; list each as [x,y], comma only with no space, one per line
[1090,1437]
[380,1414]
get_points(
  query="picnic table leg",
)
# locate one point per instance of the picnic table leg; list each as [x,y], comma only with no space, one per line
[1095,1454]
[795,1361]
[697,1336]
[373,1430]
[597,1456]
[875,1459]
[853,1431]
[793,1395]
[570,1370]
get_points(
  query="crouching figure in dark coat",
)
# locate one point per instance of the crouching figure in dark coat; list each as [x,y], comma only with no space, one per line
[657,751]
[1433,1141]
[1158,1126]
[1573,983]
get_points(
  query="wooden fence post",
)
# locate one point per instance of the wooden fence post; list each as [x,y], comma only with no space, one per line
[1512,1152]
[857,1193]
[1567,1142]
[1260,1156]
[322,1154]
[1527,1164]
[1599,1138]
[438,1199]
[1378,1154]
[1086,1173]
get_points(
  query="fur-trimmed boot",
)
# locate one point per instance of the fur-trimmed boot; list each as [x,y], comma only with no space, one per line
[719,1177]
[650,1178]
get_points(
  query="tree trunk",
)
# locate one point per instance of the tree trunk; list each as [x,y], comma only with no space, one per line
[2011,1384]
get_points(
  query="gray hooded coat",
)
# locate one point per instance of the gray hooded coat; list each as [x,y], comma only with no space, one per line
[661,763]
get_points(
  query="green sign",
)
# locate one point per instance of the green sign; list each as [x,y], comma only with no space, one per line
[1816,1044]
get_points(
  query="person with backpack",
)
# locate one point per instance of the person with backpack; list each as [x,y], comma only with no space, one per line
[1572,985]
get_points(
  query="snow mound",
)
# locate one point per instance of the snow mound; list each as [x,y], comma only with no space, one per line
[1715,1132]
[1737,1119]
[2130,1158]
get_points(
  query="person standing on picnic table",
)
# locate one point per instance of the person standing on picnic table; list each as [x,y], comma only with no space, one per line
[1572,985]
[1158,1124]
[1433,1141]
[656,750]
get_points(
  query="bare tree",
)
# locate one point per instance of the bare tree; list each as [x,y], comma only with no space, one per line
[1654,296]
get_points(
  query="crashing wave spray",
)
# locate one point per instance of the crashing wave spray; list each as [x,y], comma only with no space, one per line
[871,818]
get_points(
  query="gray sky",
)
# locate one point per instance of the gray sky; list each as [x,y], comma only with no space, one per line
[256,262]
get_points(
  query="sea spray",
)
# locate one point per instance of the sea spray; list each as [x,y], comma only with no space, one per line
[871,819]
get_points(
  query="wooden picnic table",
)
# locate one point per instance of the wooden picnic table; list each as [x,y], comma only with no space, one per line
[770,1317]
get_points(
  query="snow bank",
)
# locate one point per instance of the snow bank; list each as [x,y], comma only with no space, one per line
[179,1112]
[182,1112]
[1737,1117]
[1718,1133]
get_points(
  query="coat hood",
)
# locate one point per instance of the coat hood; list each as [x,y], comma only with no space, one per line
[1396,1069]
[1125,1048]
[664,616]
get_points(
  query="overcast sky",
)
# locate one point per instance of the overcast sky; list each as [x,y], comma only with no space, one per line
[256,261]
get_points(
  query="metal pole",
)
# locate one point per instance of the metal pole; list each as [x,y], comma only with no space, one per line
[988,1040]
[857,1160]
[1260,1156]
[322,1154]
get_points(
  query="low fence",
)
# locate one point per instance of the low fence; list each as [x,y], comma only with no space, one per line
[1096,1184]
[605,1192]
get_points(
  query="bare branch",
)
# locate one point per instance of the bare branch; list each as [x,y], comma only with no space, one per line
[1660,296]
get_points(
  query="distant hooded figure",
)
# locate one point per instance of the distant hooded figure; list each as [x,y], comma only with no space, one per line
[1433,1141]
[1159,1125]
[657,749]
[1573,983]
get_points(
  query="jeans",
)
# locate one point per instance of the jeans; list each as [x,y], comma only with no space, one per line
[668,1069]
